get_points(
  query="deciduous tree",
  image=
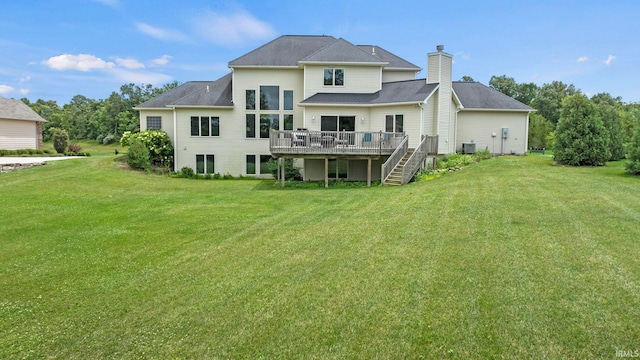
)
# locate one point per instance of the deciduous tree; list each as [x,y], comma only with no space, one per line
[580,137]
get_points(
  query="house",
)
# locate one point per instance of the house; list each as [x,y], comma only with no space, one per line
[20,126]
[343,111]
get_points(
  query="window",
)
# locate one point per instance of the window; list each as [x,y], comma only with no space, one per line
[329,123]
[205,126]
[287,122]
[269,98]
[288,100]
[334,77]
[264,164]
[394,123]
[215,126]
[250,100]
[195,126]
[338,123]
[251,125]
[154,122]
[251,164]
[205,164]
[338,168]
[268,121]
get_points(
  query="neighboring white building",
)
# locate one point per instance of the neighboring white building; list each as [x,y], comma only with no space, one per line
[341,108]
[20,126]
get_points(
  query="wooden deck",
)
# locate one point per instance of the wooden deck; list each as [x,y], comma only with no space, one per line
[321,144]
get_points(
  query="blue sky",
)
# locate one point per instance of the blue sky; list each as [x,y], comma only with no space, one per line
[55,49]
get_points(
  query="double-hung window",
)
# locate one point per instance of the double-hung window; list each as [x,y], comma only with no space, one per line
[333,77]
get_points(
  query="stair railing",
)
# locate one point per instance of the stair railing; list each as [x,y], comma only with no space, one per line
[428,145]
[395,158]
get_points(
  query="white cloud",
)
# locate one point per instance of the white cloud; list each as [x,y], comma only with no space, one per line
[25,78]
[161,34]
[129,63]
[80,62]
[5,89]
[583,59]
[24,91]
[463,55]
[609,60]
[232,29]
[161,61]
[141,77]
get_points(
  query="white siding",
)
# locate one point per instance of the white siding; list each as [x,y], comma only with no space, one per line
[357,79]
[479,126]
[231,147]
[374,118]
[358,112]
[397,75]
[430,116]
[411,120]
[439,71]
[166,117]
[17,134]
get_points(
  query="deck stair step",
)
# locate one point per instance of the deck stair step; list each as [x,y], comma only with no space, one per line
[395,177]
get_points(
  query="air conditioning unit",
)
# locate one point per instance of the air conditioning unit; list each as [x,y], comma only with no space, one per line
[468,148]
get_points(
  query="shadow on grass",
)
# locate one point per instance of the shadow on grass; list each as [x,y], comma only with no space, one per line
[271,184]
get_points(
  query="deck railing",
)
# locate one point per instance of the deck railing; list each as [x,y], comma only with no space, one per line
[428,146]
[304,142]
[395,158]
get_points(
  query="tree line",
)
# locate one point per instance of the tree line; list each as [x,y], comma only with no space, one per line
[619,119]
[103,120]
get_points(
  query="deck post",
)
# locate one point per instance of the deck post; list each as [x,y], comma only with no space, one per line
[326,172]
[281,166]
[369,172]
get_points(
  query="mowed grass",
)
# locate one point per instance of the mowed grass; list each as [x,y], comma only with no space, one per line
[509,258]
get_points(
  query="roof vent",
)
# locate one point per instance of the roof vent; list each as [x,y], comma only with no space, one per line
[440,48]
[207,88]
[373,51]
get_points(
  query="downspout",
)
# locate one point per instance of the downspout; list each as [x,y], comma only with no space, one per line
[175,140]
[304,95]
[421,118]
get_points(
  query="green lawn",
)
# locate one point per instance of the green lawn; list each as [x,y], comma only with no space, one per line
[509,258]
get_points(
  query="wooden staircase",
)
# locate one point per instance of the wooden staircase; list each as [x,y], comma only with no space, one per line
[395,178]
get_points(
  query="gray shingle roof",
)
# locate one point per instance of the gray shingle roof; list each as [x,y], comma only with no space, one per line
[289,50]
[343,51]
[391,93]
[12,109]
[194,93]
[394,61]
[474,95]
